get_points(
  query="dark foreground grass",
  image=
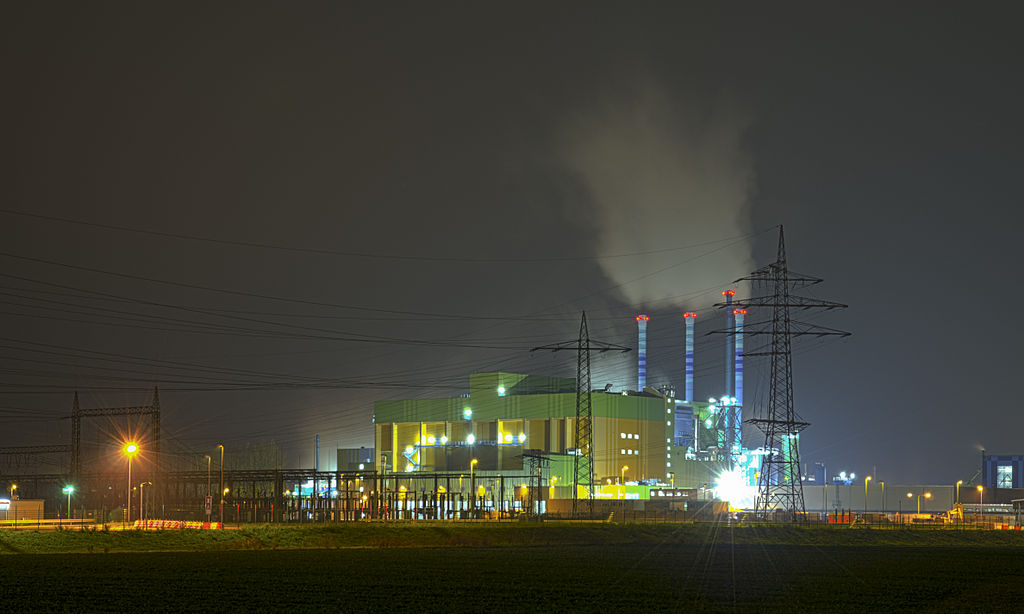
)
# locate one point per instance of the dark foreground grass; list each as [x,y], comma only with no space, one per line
[719,577]
[442,534]
[709,568]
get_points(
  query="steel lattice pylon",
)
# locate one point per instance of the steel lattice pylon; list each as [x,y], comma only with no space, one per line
[583,467]
[779,488]
[583,461]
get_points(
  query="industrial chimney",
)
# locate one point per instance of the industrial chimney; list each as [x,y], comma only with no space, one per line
[738,316]
[729,352]
[641,375]
[689,317]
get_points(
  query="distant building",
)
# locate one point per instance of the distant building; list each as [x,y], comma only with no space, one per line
[1002,471]
[355,459]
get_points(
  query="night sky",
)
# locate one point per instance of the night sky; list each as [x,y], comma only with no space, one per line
[281,213]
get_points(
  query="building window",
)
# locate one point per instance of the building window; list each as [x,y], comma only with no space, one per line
[622,435]
[1004,476]
[636,451]
[636,435]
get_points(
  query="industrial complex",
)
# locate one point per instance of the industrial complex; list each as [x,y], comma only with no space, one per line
[530,445]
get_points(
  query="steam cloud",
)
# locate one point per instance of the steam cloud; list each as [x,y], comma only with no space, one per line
[665,174]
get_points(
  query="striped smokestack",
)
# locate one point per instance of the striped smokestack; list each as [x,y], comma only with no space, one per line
[728,295]
[689,318]
[641,371]
[738,316]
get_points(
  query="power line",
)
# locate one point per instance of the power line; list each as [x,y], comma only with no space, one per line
[379,256]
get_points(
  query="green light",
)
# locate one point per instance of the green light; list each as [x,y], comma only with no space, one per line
[67,490]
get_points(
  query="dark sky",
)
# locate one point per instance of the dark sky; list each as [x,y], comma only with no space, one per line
[445,176]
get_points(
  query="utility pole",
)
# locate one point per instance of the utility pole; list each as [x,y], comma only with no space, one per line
[583,463]
[779,487]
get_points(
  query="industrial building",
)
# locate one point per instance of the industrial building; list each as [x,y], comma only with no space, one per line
[507,418]
[1002,471]
[523,425]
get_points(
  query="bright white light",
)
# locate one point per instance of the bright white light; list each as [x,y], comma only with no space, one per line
[707,423]
[408,450]
[361,467]
[501,391]
[430,440]
[724,400]
[732,486]
[467,413]
[522,437]
[712,400]
[508,437]
[444,439]
[470,439]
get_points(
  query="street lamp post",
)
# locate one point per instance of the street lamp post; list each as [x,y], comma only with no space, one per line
[209,510]
[882,484]
[142,507]
[220,507]
[472,484]
[927,495]
[68,490]
[866,480]
[958,483]
[910,495]
[130,449]
[981,501]
[623,479]
[14,487]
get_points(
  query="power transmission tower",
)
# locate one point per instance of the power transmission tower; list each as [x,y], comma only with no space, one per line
[779,487]
[77,413]
[583,460]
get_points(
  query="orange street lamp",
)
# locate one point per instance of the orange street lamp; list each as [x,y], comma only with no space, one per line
[927,495]
[981,502]
[866,480]
[220,512]
[209,498]
[472,481]
[130,450]
[623,480]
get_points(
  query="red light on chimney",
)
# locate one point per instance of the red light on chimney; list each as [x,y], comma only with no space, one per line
[689,314]
[642,318]
[729,293]
[739,312]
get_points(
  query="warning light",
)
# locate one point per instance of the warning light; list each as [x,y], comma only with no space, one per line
[728,293]
[741,312]
[689,314]
[642,318]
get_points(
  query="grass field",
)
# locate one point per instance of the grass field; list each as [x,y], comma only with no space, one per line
[509,567]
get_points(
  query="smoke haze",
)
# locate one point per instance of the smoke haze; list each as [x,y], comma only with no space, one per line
[663,174]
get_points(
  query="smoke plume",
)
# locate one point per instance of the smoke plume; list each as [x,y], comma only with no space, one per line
[664,173]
